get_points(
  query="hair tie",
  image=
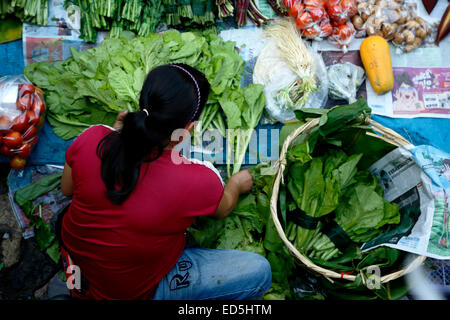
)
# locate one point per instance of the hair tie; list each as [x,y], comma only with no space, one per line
[196,86]
[146,111]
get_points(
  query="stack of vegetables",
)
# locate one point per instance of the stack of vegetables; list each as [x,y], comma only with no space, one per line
[330,204]
[250,228]
[139,16]
[143,16]
[249,8]
[92,86]
[33,11]
[318,19]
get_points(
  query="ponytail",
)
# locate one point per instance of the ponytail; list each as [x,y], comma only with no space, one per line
[168,100]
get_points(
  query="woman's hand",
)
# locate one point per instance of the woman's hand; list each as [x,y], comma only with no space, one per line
[243,180]
[119,120]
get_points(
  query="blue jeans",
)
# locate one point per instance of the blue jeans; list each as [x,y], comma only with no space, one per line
[216,274]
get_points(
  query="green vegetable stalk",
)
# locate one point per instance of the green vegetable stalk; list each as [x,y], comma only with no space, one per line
[243,109]
[295,95]
[172,16]
[32,11]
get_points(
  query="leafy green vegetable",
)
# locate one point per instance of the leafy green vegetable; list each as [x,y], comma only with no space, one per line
[243,109]
[250,228]
[25,197]
[92,86]
[334,205]
[140,17]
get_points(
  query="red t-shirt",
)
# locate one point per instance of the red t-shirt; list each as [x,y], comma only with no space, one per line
[125,250]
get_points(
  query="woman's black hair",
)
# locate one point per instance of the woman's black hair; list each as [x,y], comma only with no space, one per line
[171,98]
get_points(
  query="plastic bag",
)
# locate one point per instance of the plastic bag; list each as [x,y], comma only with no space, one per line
[311,18]
[344,80]
[22,114]
[392,20]
[274,73]
[343,35]
[340,11]
[410,35]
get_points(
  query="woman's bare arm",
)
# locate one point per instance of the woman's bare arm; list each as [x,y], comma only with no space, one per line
[238,184]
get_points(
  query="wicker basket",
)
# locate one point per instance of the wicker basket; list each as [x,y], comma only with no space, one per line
[387,135]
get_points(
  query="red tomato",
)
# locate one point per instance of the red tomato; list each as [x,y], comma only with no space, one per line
[349,6]
[32,117]
[337,14]
[312,3]
[13,139]
[29,133]
[17,163]
[25,102]
[331,3]
[25,88]
[288,3]
[317,13]
[326,28]
[38,105]
[311,32]
[24,150]
[296,9]
[33,140]
[5,123]
[7,152]
[343,31]
[304,20]
[20,123]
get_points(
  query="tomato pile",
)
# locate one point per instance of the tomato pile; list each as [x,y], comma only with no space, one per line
[18,128]
[317,19]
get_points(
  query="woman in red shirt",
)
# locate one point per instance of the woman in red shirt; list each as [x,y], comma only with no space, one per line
[133,199]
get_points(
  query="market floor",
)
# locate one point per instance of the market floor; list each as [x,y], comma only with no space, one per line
[25,272]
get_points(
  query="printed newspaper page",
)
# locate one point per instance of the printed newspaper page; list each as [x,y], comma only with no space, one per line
[414,179]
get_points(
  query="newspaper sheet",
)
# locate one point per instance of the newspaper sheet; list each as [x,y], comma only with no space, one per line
[418,180]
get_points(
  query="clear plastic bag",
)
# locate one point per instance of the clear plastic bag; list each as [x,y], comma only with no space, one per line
[411,34]
[344,80]
[343,35]
[311,18]
[274,73]
[22,114]
[340,11]
[392,20]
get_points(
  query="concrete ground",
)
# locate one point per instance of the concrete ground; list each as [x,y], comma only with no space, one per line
[27,273]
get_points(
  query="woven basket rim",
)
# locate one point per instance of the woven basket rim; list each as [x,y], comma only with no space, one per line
[385,134]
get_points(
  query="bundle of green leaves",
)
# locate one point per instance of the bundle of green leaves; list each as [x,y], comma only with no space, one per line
[32,11]
[331,204]
[92,86]
[333,201]
[140,17]
[250,228]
